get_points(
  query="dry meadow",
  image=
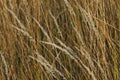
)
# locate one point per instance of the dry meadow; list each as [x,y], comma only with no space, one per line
[59,39]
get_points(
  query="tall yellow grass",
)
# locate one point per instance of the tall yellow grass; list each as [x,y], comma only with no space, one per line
[59,40]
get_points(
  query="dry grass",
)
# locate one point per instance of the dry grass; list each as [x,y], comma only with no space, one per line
[59,40]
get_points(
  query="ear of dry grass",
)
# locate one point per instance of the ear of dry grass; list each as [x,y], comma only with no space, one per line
[56,40]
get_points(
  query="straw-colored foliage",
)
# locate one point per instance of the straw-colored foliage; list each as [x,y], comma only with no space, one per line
[59,40]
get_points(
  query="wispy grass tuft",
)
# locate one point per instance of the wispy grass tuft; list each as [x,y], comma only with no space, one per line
[60,39]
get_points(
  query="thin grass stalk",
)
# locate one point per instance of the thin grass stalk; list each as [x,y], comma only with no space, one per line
[5,65]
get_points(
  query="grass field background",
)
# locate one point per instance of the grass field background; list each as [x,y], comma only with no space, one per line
[59,40]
